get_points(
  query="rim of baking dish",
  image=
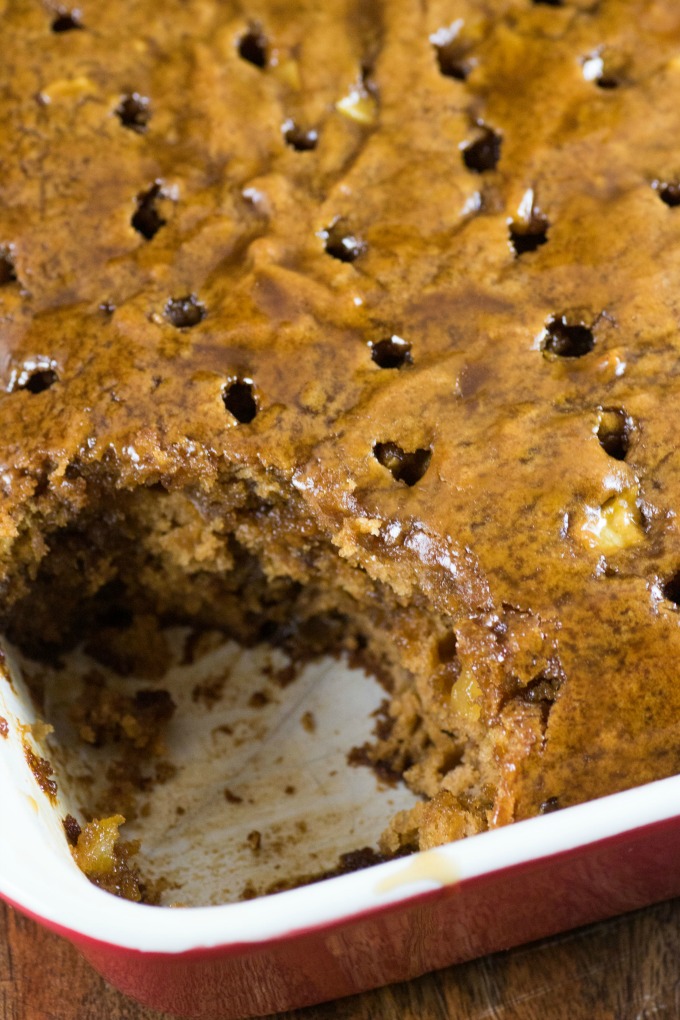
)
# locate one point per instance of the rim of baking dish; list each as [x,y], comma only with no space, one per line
[47,884]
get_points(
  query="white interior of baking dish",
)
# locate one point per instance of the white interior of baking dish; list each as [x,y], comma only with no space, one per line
[257,751]
[299,738]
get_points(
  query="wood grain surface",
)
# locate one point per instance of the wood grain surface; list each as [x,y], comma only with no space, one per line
[625,969]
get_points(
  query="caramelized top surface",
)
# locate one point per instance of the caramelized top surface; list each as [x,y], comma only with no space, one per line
[217,218]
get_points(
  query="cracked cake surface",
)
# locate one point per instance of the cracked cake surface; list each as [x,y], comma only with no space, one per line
[363,315]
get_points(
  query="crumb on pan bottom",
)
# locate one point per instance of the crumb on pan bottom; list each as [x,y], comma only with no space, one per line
[245,559]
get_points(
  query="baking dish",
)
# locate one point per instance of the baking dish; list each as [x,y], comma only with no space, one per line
[346,934]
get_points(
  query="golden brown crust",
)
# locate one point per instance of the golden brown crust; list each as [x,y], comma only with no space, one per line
[477,471]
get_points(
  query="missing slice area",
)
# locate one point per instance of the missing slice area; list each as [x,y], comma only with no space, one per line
[247,562]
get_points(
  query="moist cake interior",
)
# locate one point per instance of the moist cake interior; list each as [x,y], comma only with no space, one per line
[355,326]
[245,558]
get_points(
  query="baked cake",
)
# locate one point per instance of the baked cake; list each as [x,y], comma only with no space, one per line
[355,326]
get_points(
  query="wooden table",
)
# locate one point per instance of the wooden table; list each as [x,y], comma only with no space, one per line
[625,969]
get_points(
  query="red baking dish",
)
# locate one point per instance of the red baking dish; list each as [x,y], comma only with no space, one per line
[343,935]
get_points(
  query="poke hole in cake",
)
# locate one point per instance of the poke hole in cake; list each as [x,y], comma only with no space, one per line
[356,328]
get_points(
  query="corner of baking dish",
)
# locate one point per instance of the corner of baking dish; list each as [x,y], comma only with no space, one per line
[38,875]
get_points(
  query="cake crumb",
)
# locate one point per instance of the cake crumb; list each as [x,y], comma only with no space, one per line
[42,772]
[105,860]
[286,675]
[259,699]
[254,840]
[199,643]
[72,829]
[165,771]
[40,730]
[140,649]
[249,892]
[308,721]
[103,716]
[209,692]
[224,728]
